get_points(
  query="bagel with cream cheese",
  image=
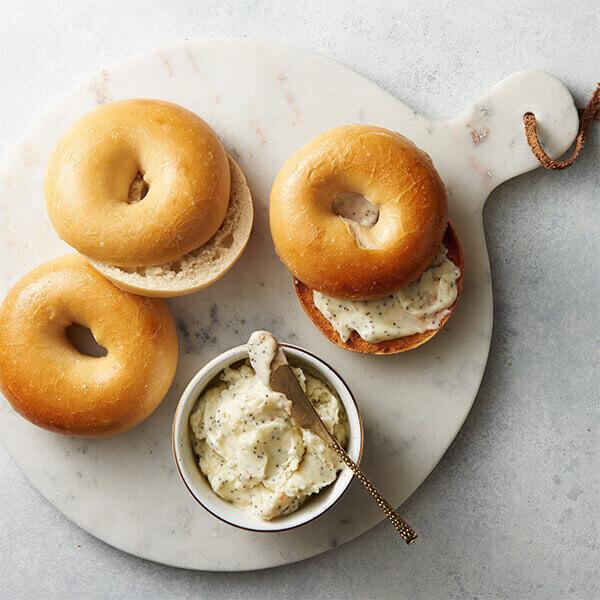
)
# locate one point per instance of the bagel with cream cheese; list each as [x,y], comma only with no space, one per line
[395,345]
[359,215]
[145,190]
[50,382]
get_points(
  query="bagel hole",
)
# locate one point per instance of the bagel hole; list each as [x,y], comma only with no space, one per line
[83,340]
[137,189]
[355,207]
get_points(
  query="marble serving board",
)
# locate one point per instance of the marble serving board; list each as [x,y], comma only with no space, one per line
[264,101]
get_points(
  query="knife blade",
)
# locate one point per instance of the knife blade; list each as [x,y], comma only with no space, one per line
[302,411]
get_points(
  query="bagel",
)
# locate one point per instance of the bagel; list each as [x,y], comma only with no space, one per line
[137,183]
[336,255]
[358,215]
[396,345]
[51,383]
[201,267]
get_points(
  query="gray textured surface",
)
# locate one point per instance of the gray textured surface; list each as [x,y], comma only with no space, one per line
[512,510]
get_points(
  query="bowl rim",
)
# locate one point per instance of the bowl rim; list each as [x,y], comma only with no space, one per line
[182,403]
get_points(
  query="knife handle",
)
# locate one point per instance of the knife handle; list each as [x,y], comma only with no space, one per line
[406,532]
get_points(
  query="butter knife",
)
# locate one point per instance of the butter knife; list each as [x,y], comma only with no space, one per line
[282,380]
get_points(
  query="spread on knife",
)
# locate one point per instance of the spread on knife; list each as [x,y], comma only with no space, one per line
[265,355]
[249,448]
[415,308]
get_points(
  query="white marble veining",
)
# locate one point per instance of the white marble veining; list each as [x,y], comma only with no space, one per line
[265,101]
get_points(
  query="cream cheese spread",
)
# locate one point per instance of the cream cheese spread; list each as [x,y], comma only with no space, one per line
[249,448]
[357,208]
[419,307]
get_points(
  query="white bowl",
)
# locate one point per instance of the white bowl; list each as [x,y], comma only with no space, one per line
[195,481]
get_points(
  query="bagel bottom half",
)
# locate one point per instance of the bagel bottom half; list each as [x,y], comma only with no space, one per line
[402,344]
[201,267]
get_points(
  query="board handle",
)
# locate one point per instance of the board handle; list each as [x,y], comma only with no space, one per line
[492,137]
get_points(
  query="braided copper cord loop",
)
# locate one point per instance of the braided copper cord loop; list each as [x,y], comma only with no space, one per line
[590,113]
[405,531]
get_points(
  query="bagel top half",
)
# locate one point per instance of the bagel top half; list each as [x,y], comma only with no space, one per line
[137,183]
[337,256]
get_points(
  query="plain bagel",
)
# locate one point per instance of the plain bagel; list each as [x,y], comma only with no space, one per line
[137,183]
[200,267]
[53,385]
[336,256]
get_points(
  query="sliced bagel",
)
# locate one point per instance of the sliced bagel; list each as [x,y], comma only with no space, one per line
[402,344]
[201,267]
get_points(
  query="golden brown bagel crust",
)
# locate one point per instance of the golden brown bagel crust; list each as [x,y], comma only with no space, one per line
[92,167]
[395,346]
[320,248]
[56,387]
